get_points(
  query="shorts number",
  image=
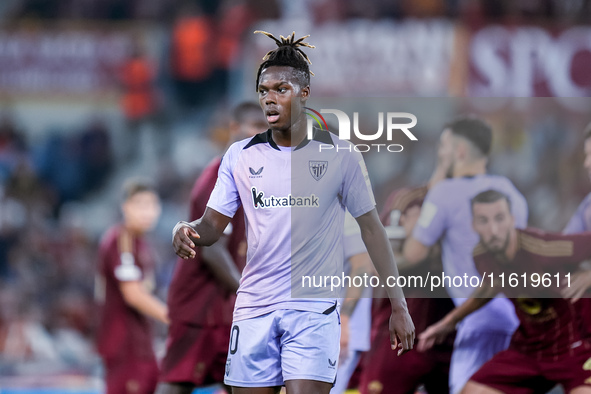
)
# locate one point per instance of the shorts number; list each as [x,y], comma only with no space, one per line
[234,339]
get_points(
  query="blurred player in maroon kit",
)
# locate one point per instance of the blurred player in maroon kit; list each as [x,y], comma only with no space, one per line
[580,222]
[202,292]
[550,346]
[124,282]
[382,373]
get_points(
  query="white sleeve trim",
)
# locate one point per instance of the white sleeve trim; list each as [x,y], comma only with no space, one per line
[127,271]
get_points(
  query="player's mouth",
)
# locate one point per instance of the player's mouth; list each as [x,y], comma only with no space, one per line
[272,116]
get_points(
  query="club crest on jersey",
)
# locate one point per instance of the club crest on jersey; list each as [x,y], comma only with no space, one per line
[318,168]
[255,174]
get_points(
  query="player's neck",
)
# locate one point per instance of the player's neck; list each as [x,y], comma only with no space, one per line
[134,230]
[290,137]
[469,169]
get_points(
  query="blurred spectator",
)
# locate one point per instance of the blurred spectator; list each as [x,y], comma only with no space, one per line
[234,18]
[191,57]
[13,147]
[142,103]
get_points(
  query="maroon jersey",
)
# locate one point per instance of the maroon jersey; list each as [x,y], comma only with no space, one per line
[195,296]
[424,311]
[123,331]
[549,326]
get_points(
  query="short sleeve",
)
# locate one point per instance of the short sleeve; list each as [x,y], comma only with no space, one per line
[577,224]
[121,260]
[225,198]
[127,270]
[356,191]
[432,220]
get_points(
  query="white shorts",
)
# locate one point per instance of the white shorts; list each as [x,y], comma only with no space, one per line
[267,350]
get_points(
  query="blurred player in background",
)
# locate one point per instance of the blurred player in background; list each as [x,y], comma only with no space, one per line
[278,339]
[124,283]
[382,373]
[580,222]
[202,292]
[355,307]
[550,346]
[445,217]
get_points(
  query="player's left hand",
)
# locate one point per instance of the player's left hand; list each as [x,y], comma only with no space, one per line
[434,334]
[402,329]
[580,282]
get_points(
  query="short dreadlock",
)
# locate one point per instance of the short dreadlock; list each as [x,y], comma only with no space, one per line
[289,54]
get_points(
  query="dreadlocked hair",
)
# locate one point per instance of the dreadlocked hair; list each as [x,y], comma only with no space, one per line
[288,54]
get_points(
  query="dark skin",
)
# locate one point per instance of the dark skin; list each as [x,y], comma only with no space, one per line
[279,92]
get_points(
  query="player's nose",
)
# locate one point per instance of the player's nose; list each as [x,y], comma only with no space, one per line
[271,98]
[494,229]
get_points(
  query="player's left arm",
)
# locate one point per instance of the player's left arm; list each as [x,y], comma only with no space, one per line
[377,244]
[437,332]
[413,253]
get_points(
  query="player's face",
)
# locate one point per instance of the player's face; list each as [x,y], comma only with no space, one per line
[494,223]
[587,162]
[141,211]
[252,123]
[445,152]
[278,90]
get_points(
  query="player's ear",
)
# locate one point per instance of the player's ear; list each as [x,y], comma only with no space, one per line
[305,93]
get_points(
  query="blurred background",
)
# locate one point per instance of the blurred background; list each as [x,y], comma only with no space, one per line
[95,91]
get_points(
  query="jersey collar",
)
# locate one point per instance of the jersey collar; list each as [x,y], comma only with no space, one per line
[322,136]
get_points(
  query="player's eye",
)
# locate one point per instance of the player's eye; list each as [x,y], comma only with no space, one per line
[282,90]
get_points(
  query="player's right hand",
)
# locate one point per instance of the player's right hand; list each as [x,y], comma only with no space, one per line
[181,240]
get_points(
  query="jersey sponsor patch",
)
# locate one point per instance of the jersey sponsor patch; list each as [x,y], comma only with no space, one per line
[428,212]
[259,201]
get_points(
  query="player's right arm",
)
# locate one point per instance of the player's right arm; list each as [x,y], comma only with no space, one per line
[439,331]
[201,232]
[221,207]
[430,227]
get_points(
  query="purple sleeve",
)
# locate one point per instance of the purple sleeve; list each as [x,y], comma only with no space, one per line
[356,189]
[577,223]
[432,221]
[225,198]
